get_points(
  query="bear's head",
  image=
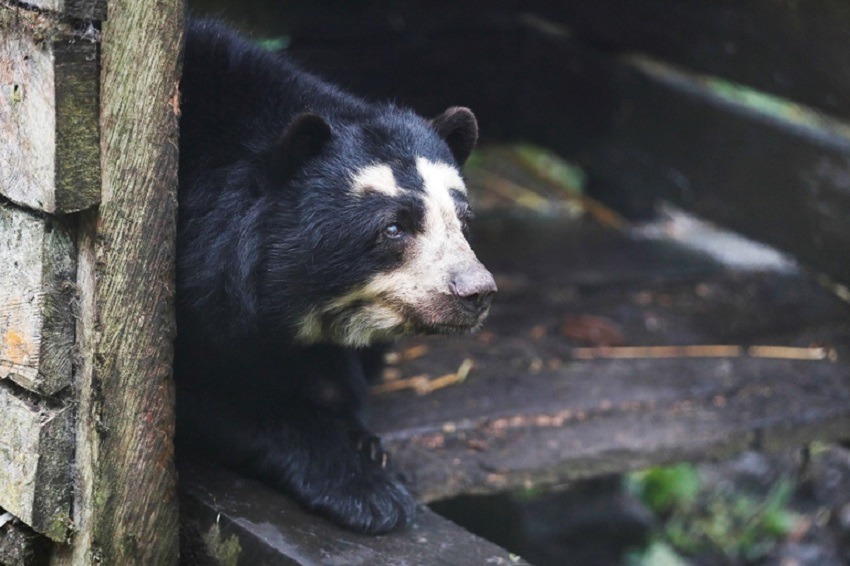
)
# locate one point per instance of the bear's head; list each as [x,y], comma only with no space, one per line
[380,214]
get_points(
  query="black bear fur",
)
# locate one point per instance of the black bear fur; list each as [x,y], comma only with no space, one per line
[266,233]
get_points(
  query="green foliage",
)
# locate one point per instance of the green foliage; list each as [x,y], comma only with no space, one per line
[700,519]
[666,489]
[658,553]
[563,173]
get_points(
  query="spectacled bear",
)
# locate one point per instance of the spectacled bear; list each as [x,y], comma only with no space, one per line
[313,226]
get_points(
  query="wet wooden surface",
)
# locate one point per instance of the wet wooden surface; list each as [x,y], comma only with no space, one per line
[238,521]
[530,415]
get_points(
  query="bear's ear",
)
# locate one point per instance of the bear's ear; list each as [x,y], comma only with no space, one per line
[459,128]
[301,140]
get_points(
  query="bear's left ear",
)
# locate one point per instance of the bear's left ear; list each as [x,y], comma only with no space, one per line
[459,128]
[302,139]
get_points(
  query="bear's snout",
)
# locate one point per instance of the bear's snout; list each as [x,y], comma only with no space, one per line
[474,289]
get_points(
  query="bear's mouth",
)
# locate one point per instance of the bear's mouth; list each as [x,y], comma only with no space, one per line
[447,316]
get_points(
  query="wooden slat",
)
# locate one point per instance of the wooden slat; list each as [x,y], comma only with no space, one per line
[36,295]
[231,520]
[82,9]
[49,107]
[529,414]
[35,463]
[794,50]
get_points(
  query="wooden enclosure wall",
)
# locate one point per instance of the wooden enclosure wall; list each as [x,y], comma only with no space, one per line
[88,162]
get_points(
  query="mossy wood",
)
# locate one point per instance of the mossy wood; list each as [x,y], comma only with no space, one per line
[35,457]
[37,293]
[125,508]
[49,111]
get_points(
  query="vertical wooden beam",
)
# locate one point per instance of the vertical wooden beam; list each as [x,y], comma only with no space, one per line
[126,508]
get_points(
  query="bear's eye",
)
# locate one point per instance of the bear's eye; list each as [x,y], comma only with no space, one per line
[465,215]
[393,231]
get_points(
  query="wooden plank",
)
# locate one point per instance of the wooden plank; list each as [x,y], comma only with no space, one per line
[531,415]
[35,463]
[793,50]
[49,106]
[36,295]
[81,9]
[231,520]
[125,507]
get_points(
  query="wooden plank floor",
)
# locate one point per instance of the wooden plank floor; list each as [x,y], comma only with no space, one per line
[529,414]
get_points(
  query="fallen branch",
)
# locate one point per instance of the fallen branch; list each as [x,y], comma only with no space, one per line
[704,351]
[422,385]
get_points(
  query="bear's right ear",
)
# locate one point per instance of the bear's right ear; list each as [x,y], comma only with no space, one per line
[459,128]
[301,140]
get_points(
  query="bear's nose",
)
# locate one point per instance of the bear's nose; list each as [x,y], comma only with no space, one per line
[476,287]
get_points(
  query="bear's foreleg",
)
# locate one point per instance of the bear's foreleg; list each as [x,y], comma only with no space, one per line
[301,432]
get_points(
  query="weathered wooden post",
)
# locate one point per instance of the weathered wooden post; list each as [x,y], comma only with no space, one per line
[88,165]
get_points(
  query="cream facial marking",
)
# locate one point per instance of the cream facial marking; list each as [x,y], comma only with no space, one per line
[380,308]
[375,319]
[433,256]
[375,178]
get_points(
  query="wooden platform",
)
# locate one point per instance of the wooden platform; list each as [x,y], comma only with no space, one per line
[530,415]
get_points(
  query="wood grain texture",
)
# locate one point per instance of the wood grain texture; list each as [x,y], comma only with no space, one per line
[49,107]
[126,507]
[36,295]
[35,463]
[231,520]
